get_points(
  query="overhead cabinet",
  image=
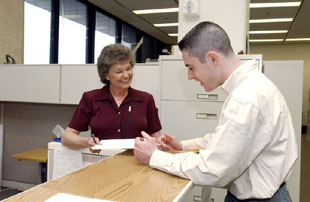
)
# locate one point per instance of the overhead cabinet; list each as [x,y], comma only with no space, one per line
[76,79]
[30,83]
[65,84]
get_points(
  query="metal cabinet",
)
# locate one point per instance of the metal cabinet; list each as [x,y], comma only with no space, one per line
[189,119]
[288,77]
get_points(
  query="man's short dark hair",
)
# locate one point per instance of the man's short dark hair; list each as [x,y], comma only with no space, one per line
[206,36]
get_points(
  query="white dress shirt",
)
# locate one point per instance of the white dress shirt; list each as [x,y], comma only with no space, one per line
[253,148]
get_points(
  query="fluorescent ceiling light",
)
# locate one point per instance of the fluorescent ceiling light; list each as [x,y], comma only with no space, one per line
[298,39]
[269,5]
[271,20]
[173,34]
[166,25]
[152,11]
[265,40]
[268,32]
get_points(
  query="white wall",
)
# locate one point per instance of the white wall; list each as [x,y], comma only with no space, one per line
[289,52]
[231,15]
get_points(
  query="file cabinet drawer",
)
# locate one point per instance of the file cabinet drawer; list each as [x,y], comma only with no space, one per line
[189,119]
[176,86]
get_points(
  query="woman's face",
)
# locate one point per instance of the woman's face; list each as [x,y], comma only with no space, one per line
[120,75]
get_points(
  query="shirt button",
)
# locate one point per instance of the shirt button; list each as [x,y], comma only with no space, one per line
[118,130]
[119,112]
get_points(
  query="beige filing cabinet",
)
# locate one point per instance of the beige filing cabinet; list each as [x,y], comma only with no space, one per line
[188,111]
[288,77]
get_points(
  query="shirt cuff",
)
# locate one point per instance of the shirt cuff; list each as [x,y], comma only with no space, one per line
[160,160]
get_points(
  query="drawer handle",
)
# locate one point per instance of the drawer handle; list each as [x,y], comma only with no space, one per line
[197,198]
[206,116]
[207,96]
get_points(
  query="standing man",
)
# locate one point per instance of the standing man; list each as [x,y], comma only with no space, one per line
[253,148]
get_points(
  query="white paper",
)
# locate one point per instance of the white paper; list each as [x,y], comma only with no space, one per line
[66,161]
[115,144]
[58,131]
[62,197]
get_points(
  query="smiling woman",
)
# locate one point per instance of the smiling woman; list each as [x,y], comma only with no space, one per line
[115,111]
[115,67]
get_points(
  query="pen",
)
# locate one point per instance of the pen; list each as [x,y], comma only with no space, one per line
[145,140]
[94,139]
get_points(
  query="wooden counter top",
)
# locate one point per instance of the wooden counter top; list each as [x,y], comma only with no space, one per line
[119,178]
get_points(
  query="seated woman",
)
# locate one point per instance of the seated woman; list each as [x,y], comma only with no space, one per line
[115,111]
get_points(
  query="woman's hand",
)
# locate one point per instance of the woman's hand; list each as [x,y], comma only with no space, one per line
[92,142]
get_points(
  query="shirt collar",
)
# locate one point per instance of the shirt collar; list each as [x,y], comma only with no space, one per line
[238,75]
[104,94]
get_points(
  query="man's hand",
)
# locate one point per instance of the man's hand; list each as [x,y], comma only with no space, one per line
[144,148]
[169,142]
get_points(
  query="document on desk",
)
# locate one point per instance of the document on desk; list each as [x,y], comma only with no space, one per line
[63,197]
[66,161]
[113,144]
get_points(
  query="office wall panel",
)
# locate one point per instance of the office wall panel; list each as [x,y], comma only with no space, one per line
[26,83]
[76,79]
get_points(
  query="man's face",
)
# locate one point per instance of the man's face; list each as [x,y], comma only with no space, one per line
[202,72]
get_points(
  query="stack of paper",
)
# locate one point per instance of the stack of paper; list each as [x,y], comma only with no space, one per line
[62,197]
[113,144]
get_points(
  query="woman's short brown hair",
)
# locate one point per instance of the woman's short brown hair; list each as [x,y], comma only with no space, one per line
[111,55]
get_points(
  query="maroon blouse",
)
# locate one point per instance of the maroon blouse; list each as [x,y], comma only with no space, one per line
[98,110]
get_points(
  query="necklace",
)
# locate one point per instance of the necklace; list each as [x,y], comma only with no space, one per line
[118,100]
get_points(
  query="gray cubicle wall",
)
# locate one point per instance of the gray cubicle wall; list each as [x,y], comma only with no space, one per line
[29,126]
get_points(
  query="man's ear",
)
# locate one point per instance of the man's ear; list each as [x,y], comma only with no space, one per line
[212,57]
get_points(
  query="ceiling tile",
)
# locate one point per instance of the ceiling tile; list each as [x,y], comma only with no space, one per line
[270,26]
[264,13]
[273,1]
[161,18]
[169,29]
[267,36]
[148,4]
[301,24]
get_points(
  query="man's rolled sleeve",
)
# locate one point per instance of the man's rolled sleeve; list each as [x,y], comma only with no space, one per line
[165,162]
[197,143]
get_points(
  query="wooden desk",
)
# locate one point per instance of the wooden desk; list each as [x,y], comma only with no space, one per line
[37,155]
[118,178]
